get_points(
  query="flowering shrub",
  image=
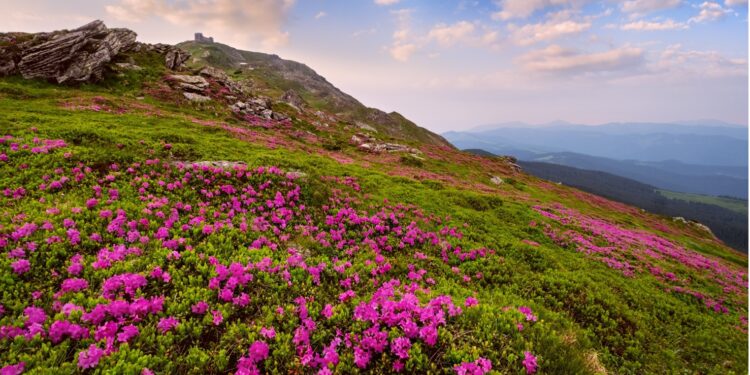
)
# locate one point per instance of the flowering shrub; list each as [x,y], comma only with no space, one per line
[638,251]
[158,258]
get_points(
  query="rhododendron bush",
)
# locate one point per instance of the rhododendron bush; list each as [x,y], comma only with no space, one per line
[166,266]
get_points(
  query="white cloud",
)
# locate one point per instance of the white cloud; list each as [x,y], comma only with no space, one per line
[533,33]
[448,35]
[691,63]
[386,2]
[523,8]
[648,6]
[227,20]
[710,11]
[731,3]
[401,49]
[654,26]
[402,52]
[556,59]
[320,15]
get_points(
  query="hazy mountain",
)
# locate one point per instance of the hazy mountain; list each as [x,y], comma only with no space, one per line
[706,145]
[670,175]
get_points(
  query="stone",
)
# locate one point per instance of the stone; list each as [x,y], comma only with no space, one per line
[189,83]
[214,73]
[292,98]
[175,57]
[196,97]
[364,126]
[76,56]
[496,180]
[127,66]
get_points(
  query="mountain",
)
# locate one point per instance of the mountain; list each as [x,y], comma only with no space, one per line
[670,175]
[689,144]
[273,76]
[160,213]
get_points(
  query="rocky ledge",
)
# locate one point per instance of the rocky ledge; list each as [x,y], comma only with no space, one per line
[74,56]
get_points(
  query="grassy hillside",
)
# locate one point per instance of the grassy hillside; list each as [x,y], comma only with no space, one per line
[142,233]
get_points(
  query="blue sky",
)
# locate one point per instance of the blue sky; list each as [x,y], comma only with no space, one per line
[452,65]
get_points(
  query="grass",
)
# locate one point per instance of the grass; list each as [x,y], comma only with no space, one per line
[734,204]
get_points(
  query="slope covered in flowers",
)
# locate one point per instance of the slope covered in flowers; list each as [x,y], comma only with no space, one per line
[123,249]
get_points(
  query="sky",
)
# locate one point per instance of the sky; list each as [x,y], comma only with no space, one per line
[454,65]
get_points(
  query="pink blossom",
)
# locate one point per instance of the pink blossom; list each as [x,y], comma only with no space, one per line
[269,333]
[529,361]
[20,266]
[199,308]
[90,358]
[167,324]
[16,369]
[400,347]
[217,317]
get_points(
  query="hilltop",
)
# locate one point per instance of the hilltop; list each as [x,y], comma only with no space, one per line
[167,213]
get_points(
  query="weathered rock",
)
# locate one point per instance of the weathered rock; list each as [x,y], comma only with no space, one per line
[364,126]
[7,64]
[214,73]
[79,55]
[188,83]
[292,98]
[127,66]
[368,143]
[496,180]
[193,97]
[175,57]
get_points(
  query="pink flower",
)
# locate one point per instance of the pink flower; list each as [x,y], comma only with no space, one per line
[400,347]
[530,317]
[199,308]
[128,332]
[471,301]
[90,357]
[269,333]
[258,351]
[349,294]
[16,369]
[478,367]
[20,266]
[168,323]
[217,317]
[327,311]
[529,361]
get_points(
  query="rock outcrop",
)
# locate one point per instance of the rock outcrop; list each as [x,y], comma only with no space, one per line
[369,143]
[293,98]
[78,55]
[74,56]
[258,106]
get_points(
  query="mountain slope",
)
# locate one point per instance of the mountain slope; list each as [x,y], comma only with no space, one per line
[728,225]
[145,231]
[273,76]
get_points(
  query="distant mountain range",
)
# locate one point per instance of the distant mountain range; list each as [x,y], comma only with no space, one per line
[706,159]
[706,145]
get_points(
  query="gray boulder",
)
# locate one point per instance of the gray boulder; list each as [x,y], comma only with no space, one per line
[188,83]
[174,58]
[79,55]
[196,97]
